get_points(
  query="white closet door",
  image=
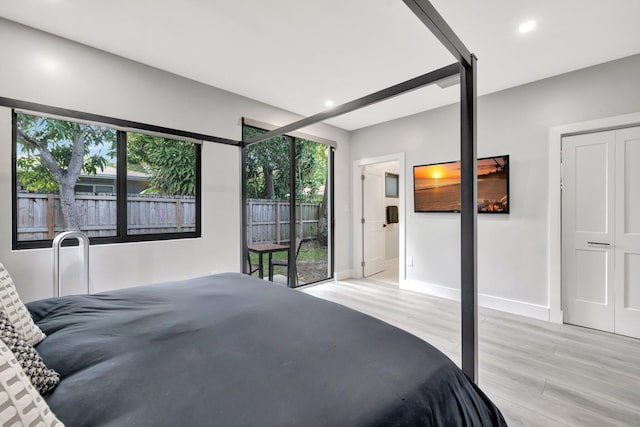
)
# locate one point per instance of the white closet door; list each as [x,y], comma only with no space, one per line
[627,235]
[588,182]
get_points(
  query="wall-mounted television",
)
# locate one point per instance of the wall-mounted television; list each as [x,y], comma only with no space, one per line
[436,187]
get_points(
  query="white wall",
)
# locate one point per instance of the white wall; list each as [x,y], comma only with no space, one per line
[512,249]
[38,67]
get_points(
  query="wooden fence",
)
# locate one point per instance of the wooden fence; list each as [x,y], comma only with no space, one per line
[40,216]
[268,221]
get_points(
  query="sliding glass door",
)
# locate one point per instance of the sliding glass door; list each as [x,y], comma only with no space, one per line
[312,210]
[285,243]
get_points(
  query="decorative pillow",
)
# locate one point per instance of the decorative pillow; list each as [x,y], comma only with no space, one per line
[42,378]
[20,403]
[16,311]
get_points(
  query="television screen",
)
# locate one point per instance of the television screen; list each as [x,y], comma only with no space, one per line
[437,186]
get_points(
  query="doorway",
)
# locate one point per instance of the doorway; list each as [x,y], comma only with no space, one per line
[601,230]
[287,188]
[381,226]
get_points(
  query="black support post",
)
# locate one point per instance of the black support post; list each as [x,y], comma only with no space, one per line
[430,17]
[468,221]
[243,207]
[332,211]
[121,185]
[292,267]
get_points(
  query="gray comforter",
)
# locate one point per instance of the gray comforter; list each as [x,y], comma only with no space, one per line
[230,350]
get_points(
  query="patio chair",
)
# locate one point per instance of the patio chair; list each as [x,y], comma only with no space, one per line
[285,262]
[251,268]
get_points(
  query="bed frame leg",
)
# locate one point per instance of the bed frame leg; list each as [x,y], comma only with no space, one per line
[469,221]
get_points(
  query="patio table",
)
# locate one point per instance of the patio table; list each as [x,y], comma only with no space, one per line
[266,248]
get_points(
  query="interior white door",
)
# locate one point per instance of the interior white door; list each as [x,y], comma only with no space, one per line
[588,184]
[627,232]
[373,214]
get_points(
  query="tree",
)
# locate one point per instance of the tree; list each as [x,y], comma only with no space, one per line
[63,152]
[323,219]
[312,168]
[267,166]
[268,174]
[53,153]
[169,162]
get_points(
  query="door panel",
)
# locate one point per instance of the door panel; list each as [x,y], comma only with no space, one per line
[591,273]
[591,192]
[373,212]
[587,230]
[627,236]
[631,278]
[630,177]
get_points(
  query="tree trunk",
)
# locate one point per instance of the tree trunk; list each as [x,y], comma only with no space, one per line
[269,187]
[67,181]
[66,178]
[68,205]
[323,217]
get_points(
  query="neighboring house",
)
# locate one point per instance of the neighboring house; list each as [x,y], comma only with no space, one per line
[105,182]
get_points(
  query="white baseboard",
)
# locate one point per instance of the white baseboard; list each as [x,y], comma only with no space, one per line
[489,301]
[431,289]
[342,275]
[514,306]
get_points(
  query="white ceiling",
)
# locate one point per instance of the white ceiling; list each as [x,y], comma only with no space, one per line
[296,54]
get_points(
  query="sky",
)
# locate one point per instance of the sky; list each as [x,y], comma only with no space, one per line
[452,170]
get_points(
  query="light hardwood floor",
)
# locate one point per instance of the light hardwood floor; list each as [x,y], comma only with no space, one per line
[537,373]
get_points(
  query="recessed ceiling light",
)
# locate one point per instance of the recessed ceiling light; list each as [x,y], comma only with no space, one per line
[328,103]
[525,27]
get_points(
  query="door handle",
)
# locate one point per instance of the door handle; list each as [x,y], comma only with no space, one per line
[598,243]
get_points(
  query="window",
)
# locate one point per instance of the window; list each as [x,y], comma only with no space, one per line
[268,184]
[92,188]
[161,185]
[391,185]
[115,185]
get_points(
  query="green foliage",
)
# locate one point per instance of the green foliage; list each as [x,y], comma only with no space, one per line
[57,137]
[272,156]
[35,177]
[311,169]
[171,163]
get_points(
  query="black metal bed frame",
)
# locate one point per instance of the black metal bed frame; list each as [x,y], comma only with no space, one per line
[466,68]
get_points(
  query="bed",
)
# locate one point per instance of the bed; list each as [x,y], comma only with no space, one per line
[231,350]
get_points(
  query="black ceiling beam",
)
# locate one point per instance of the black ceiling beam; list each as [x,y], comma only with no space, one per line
[430,17]
[95,118]
[384,94]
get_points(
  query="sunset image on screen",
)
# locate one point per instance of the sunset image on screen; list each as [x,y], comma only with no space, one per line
[437,187]
[437,175]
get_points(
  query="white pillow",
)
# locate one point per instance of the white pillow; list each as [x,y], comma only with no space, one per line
[16,311]
[20,403]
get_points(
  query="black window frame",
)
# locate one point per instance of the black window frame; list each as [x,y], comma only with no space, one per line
[293,140]
[122,235]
